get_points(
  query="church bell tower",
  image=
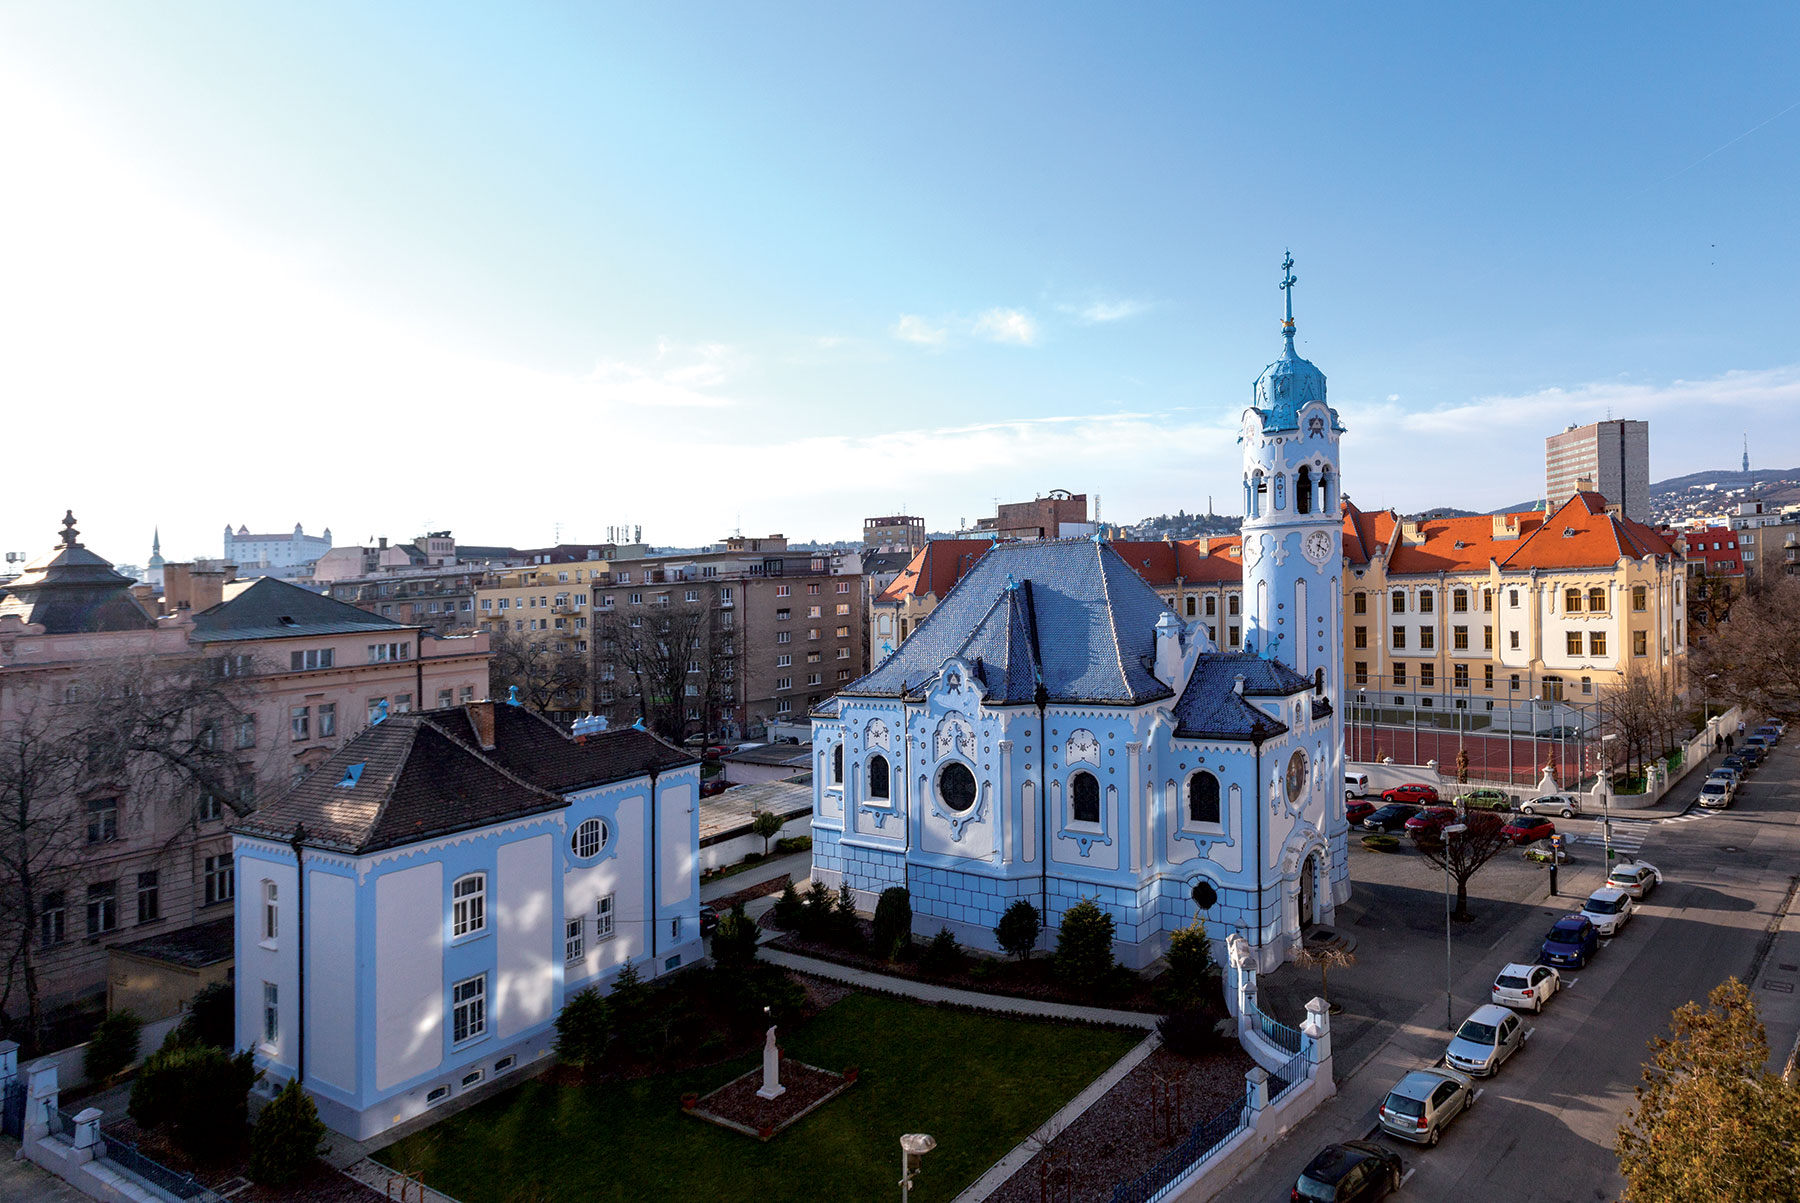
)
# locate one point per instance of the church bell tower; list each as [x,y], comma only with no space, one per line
[1293,536]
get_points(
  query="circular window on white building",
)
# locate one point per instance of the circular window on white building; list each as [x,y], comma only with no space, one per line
[589,839]
[956,786]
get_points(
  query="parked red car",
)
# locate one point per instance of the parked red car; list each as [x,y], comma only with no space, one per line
[1356,812]
[1430,822]
[1412,791]
[1528,829]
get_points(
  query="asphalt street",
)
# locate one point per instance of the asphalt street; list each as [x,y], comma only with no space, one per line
[1544,1126]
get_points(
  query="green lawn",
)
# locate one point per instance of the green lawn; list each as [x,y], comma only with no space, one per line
[979,1083]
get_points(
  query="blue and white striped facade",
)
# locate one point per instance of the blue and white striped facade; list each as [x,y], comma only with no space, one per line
[383,957]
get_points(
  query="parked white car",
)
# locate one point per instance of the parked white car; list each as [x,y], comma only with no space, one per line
[1715,794]
[1525,987]
[1635,877]
[1485,1040]
[1608,909]
[1566,805]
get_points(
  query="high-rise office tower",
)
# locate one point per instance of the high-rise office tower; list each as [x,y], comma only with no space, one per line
[1613,455]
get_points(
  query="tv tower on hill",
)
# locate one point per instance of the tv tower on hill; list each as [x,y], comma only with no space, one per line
[1746,455]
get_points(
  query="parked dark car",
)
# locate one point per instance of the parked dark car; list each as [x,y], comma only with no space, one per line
[1356,1171]
[1412,791]
[1526,829]
[1356,812]
[713,786]
[1571,943]
[1428,825]
[709,920]
[1391,817]
[1737,763]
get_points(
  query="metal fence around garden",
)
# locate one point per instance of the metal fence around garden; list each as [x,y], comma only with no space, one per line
[126,1156]
[1279,1034]
[1205,1137]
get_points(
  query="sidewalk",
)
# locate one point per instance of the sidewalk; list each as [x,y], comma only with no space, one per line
[1030,1008]
[798,865]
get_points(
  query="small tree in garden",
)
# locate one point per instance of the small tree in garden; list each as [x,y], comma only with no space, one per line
[211,1018]
[114,1046]
[815,920]
[1190,980]
[202,1094]
[788,908]
[287,1137]
[843,918]
[584,1025]
[768,825]
[943,955]
[893,922]
[734,942]
[629,1003]
[1084,952]
[1018,929]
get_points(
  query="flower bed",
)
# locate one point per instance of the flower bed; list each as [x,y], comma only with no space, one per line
[737,1106]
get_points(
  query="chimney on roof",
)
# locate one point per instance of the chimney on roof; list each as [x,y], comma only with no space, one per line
[1237,685]
[1168,650]
[1506,526]
[178,590]
[1584,484]
[481,717]
[1410,534]
[207,585]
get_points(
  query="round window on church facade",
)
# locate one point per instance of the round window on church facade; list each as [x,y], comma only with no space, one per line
[956,786]
[589,839]
[1296,776]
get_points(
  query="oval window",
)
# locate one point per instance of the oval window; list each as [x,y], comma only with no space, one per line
[956,786]
[589,839]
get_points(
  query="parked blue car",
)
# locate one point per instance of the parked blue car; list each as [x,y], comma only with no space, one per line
[1570,943]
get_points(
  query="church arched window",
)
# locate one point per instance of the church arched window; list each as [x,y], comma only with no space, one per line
[837,765]
[878,776]
[1303,490]
[1259,489]
[1084,798]
[1319,681]
[1281,490]
[1326,502]
[1203,798]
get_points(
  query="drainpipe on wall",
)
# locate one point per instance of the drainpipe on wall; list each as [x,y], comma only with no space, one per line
[1041,696]
[299,837]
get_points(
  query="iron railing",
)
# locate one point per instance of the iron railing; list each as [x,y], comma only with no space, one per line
[126,1156]
[1290,1075]
[1199,1144]
[1277,1033]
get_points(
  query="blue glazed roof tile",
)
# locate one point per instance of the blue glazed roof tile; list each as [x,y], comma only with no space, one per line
[1068,611]
[1210,705]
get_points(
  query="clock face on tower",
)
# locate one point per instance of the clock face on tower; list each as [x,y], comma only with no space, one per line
[1317,547]
[1296,775]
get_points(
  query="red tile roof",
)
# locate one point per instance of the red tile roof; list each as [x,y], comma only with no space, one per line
[1717,548]
[939,565]
[1594,539]
[1214,560]
[1583,534]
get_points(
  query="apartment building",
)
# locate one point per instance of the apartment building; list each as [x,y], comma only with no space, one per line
[253,683]
[760,632]
[1494,612]
[1768,540]
[440,599]
[1611,458]
[894,532]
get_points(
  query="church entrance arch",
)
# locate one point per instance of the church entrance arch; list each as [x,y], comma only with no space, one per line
[1309,873]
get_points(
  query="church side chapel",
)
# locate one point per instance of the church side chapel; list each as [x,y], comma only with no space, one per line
[1053,731]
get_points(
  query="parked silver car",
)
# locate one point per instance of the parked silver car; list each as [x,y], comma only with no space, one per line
[1424,1102]
[1566,805]
[1485,1040]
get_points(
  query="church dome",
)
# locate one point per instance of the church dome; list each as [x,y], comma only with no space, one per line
[1286,385]
[73,590]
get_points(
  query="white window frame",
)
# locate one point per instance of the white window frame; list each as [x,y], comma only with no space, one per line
[271,913]
[271,1030]
[594,830]
[468,1010]
[603,918]
[468,907]
[574,940]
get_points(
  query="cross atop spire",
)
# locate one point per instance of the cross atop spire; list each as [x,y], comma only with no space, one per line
[1288,280]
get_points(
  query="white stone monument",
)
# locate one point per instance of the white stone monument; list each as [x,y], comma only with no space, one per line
[771,1087]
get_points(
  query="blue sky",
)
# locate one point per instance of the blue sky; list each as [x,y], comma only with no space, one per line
[697,267]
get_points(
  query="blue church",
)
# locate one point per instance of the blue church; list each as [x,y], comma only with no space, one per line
[1052,731]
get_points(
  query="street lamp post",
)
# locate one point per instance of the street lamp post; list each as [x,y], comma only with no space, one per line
[1453,830]
[1606,794]
[913,1147]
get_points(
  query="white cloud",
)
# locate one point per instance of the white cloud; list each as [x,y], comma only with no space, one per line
[1097,313]
[676,376]
[912,328]
[1550,409]
[1006,326]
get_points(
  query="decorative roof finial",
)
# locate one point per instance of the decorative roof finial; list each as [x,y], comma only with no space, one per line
[70,536]
[1287,285]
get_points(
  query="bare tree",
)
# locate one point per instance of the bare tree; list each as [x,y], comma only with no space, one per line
[156,731]
[1756,651]
[668,659]
[546,679]
[1463,853]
